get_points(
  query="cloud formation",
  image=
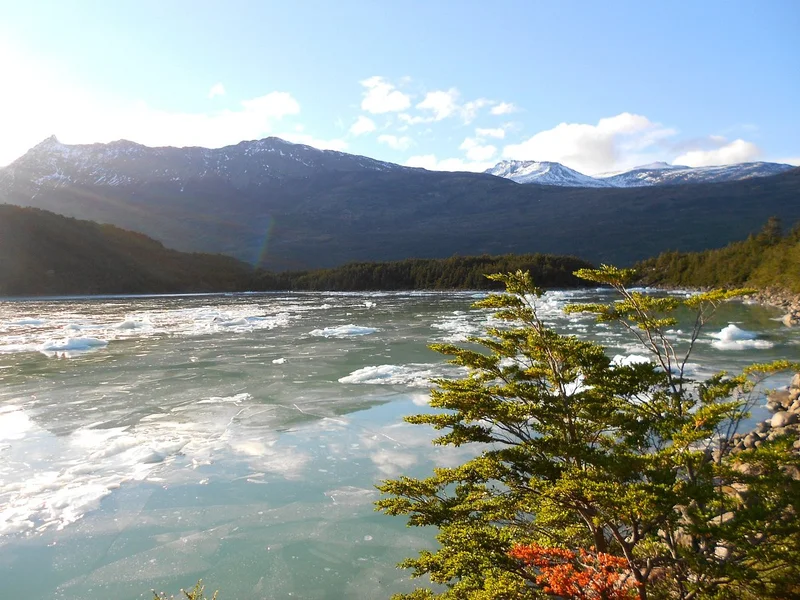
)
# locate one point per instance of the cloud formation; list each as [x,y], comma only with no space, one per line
[38,102]
[430,162]
[362,125]
[441,103]
[497,132]
[310,140]
[726,153]
[476,151]
[613,143]
[503,108]
[216,90]
[381,97]
[395,142]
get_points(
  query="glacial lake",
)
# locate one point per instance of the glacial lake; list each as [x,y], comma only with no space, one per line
[147,442]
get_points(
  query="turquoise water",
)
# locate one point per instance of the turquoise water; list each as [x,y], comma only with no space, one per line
[149,442]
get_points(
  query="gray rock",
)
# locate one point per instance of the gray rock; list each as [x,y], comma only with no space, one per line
[780,397]
[795,407]
[783,418]
[789,320]
[795,382]
[773,406]
[763,426]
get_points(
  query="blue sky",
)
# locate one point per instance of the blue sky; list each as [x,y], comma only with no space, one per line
[598,86]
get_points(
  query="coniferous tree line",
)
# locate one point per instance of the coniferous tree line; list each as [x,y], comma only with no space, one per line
[456,272]
[768,259]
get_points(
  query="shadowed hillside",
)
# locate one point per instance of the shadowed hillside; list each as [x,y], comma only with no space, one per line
[43,253]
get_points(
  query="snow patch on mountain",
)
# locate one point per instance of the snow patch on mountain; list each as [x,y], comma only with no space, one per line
[543,173]
[658,173]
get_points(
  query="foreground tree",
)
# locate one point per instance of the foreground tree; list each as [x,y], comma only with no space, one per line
[600,480]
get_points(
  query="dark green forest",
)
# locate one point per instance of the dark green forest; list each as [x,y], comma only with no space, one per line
[42,253]
[768,259]
[457,272]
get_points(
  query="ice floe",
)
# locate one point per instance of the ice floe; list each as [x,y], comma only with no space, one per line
[734,338]
[343,331]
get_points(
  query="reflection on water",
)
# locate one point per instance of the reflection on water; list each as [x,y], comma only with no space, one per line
[148,442]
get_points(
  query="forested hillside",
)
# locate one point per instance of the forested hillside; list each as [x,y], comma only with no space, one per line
[42,253]
[457,272]
[769,259]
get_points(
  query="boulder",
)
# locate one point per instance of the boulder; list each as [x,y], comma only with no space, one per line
[779,397]
[789,320]
[763,426]
[795,407]
[795,384]
[783,418]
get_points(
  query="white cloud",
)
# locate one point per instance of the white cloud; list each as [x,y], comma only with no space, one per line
[397,143]
[469,110]
[216,90]
[614,143]
[380,97]
[792,160]
[736,151]
[310,140]
[38,101]
[503,108]
[498,133]
[411,120]
[476,151]
[441,103]
[362,125]
[430,162]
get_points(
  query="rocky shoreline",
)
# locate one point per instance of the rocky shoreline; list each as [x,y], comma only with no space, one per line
[782,299]
[785,406]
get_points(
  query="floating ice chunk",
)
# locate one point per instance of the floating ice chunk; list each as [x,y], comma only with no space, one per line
[342,331]
[626,360]
[27,321]
[279,361]
[71,346]
[732,333]
[369,304]
[132,325]
[734,338]
[411,375]
[14,423]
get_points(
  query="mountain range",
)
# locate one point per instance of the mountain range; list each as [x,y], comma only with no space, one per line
[289,206]
[659,173]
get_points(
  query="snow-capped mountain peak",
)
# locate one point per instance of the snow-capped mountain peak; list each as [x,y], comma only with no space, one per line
[123,162]
[543,173]
[657,173]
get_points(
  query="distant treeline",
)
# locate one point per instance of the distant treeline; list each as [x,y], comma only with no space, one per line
[457,272]
[769,259]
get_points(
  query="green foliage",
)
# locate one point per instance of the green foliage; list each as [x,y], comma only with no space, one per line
[573,452]
[196,593]
[767,259]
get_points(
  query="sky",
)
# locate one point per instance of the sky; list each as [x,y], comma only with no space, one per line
[445,84]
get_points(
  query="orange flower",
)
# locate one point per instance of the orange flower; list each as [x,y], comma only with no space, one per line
[588,575]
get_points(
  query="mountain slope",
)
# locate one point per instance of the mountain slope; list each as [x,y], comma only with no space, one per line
[543,173]
[660,173]
[42,253]
[664,174]
[310,208]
